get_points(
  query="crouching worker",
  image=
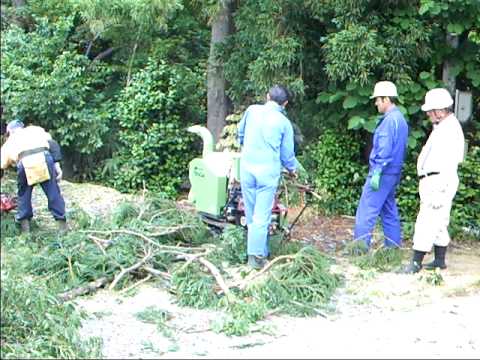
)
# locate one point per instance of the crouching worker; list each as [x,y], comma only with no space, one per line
[28,149]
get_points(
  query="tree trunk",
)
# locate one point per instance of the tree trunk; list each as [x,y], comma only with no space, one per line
[218,103]
[447,76]
[17,19]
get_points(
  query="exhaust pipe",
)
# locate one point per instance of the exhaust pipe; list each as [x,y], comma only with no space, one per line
[207,137]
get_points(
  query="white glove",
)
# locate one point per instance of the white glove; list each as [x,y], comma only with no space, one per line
[58,169]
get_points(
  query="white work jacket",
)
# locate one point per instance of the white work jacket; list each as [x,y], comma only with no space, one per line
[444,149]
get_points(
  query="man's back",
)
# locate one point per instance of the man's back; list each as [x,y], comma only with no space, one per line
[267,138]
[28,138]
[390,142]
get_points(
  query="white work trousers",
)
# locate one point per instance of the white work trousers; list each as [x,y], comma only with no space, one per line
[436,196]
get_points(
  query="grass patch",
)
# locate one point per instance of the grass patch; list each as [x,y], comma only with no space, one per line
[434,277]
[382,259]
[153,315]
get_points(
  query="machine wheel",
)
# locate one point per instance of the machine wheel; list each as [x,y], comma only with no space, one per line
[240,219]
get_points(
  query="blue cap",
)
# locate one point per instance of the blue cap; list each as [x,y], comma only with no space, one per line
[14,124]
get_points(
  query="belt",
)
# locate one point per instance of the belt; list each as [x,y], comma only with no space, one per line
[428,174]
[31,152]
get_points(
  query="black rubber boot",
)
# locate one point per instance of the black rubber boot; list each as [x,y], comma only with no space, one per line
[439,261]
[62,226]
[416,264]
[25,226]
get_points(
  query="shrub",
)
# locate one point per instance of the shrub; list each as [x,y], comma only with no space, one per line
[337,174]
[153,112]
[465,214]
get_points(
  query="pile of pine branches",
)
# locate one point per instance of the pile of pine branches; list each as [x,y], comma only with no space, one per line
[155,238]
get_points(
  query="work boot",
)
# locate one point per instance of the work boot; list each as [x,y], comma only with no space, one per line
[412,268]
[416,264]
[25,226]
[62,226]
[439,261]
[256,262]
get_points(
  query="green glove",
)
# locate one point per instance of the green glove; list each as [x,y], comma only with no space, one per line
[375,180]
[302,174]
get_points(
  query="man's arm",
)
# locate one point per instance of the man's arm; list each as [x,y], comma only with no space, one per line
[287,151]
[55,150]
[241,127]
[384,149]
[56,153]
[6,158]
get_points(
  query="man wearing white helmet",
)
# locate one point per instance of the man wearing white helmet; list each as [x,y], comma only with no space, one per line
[385,168]
[437,170]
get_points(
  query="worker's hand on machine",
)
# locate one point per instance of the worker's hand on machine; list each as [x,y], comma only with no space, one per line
[293,174]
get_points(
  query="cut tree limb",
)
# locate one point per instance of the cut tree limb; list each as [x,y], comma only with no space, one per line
[127,270]
[90,287]
[218,277]
[169,230]
[97,240]
[156,272]
[242,285]
[149,276]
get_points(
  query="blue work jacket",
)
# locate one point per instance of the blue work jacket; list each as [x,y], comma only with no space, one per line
[389,143]
[266,136]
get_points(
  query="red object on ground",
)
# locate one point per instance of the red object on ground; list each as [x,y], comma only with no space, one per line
[7,202]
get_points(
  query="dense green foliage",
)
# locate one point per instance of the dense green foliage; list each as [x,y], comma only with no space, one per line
[337,174]
[465,211]
[154,112]
[47,82]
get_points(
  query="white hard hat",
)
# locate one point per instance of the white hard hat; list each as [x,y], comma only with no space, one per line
[437,99]
[384,89]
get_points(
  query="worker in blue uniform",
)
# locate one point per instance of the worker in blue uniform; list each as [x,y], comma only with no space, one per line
[385,168]
[267,140]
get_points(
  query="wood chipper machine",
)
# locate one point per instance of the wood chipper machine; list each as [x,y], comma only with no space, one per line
[215,188]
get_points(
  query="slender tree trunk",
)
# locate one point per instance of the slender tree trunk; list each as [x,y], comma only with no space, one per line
[20,21]
[18,3]
[218,103]
[447,76]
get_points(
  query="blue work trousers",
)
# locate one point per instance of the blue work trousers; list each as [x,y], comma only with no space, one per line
[56,203]
[258,194]
[381,202]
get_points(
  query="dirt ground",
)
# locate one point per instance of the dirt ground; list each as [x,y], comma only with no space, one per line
[374,315]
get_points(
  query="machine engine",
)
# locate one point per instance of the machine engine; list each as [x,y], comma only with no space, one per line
[215,187]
